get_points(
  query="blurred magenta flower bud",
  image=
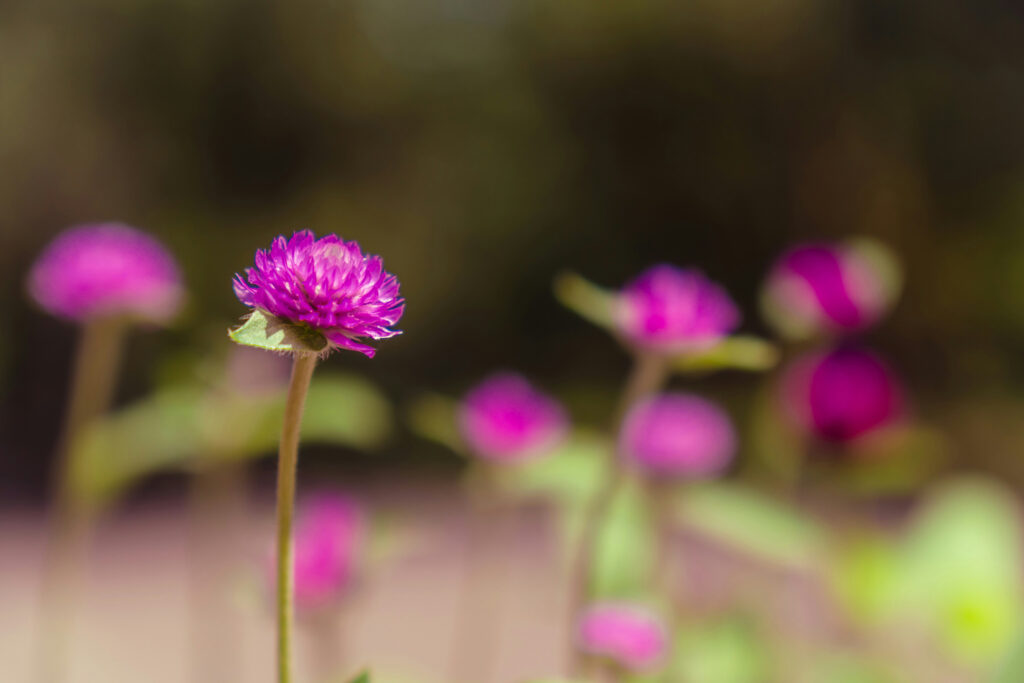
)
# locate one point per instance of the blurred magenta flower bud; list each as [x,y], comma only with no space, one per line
[677,435]
[818,289]
[327,284]
[841,395]
[328,538]
[673,310]
[106,269]
[505,419]
[629,635]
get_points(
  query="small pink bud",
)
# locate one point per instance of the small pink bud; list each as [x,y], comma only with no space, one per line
[627,634]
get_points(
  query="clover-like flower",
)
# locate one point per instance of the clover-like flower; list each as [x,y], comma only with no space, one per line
[328,541]
[505,419]
[841,395]
[106,269]
[629,635]
[672,309]
[325,286]
[816,289]
[677,435]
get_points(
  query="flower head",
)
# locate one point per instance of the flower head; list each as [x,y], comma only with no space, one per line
[627,634]
[328,537]
[822,288]
[106,269]
[675,309]
[842,394]
[677,435]
[505,419]
[326,284]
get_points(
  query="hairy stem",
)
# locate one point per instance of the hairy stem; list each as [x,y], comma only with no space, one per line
[650,372]
[287,461]
[94,374]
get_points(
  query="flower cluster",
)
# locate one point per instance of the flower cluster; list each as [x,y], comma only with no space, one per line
[327,285]
[631,636]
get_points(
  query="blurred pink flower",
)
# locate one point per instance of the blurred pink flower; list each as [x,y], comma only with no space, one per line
[627,634]
[328,284]
[841,395]
[677,435]
[106,269]
[328,537]
[505,419]
[820,288]
[674,309]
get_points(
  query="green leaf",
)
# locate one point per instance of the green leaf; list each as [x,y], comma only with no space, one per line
[571,475]
[268,332]
[361,678]
[589,301]
[739,352]
[960,571]
[726,650]
[433,417]
[189,426]
[625,550]
[753,523]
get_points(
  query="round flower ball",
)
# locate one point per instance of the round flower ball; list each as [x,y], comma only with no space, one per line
[672,310]
[630,635]
[506,419]
[677,435]
[841,395]
[106,270]
[818,289]
[328,540]
[327,285]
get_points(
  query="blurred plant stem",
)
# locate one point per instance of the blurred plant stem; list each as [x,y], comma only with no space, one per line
[216,507]
[94,374]
[478,610]
[649,374]
[287,466]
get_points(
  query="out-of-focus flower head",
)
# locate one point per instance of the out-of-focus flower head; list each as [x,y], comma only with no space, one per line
[677,435]
[816,289]
[326,284]
[505,419]
[628,634]
[841,395]
[106,269]
[673,310]
[328,540]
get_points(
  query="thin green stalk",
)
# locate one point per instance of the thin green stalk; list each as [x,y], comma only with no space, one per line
[650,372]
[94,374]
[287,462]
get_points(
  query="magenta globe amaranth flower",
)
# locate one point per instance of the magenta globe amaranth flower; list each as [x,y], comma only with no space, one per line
[677,435]
[672,309]
[106,269]
[631,636]
[841,395]
[327,285]
[505,419]
[823,288]
[328,540]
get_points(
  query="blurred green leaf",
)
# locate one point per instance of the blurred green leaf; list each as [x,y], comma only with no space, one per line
[753,523]
[961,572]
[851,668]
[898,460]
[571,475]
[739,352]
[624,553]
[362,678]
[864,575]
[434,417]
[586,299]
[268,332]
[726,650]
[1011,668]
[186,426]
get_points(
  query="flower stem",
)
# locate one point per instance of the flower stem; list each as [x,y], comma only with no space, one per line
[94,373]
[287,462]
[650,371]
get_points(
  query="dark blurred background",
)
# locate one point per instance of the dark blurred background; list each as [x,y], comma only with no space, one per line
[482,146]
